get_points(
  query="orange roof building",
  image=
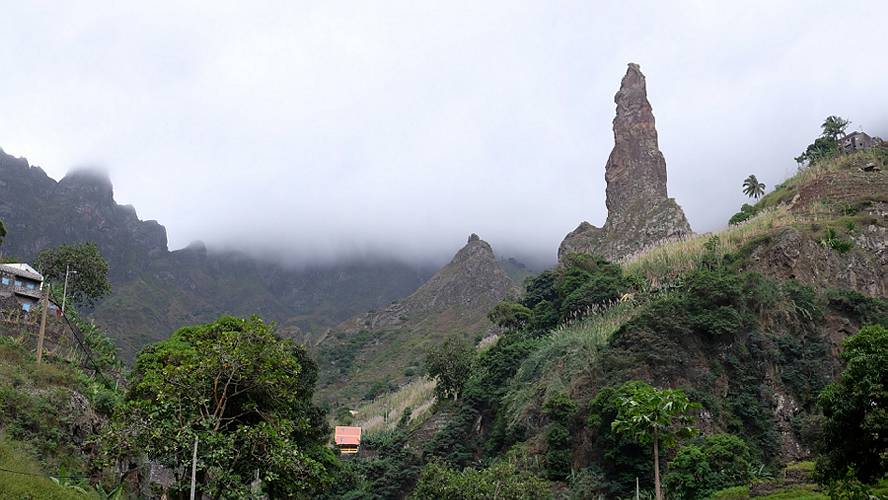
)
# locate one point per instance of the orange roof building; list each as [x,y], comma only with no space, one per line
[347,439]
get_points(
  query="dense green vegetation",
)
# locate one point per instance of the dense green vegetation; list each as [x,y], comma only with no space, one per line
[83,265]
[856,404]
[556,381]
[243,395]
[827,145]
[449,365]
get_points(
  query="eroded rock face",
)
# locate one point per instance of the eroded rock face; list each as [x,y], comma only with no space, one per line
[639,211]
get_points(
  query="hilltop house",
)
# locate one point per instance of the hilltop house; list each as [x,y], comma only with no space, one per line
[855,141]
[21,282]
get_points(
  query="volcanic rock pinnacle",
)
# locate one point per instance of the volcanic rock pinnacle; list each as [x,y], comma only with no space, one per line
[639,212]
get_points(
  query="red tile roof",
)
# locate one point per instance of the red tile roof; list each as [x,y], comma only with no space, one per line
[347,435]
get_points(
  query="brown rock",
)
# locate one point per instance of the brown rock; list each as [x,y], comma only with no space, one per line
[640,213]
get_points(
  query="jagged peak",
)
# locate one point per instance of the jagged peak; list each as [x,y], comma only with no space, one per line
[475,248]
[197,246]
[90,178]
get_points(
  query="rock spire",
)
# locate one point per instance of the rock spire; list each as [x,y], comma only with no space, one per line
[639,212]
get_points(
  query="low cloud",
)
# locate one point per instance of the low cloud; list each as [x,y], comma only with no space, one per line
[317,130]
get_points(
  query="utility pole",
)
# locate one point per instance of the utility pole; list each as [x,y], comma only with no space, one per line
[44,302]
[194,469]
[65,290]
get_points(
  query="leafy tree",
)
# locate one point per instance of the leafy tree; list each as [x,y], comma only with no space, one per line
[746,212]
[834,127]
[510,315]
[624,460]
[699,469]
[855,431]
[450,364]
[753,188]
[244,393]
[827,145]
[654,416]
[690,475]
[89,284]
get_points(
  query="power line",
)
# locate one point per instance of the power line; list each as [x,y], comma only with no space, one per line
[22,473]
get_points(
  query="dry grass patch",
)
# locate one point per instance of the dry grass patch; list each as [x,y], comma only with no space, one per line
[384,412]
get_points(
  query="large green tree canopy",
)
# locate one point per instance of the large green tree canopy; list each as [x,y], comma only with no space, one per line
[855,434]
[89,281]
[245,394]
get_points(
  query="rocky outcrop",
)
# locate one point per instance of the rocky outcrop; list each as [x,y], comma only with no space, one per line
[791,253]
[458,296]
[640,213]
[378,347]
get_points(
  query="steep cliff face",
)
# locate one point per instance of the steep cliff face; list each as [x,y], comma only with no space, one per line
[156,291]
[40,212]
[640,213]
[380,345]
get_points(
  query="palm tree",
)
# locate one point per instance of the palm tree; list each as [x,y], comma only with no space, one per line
[834,127]
[753,188]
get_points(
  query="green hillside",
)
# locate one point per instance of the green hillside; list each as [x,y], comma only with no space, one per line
[746,321]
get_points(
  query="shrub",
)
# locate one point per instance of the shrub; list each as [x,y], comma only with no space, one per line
[689,474]
[746,212]
[558,463]
[503,480]
[832,240]
[717,462]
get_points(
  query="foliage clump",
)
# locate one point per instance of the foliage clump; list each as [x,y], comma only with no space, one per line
[450,365]
[714,463]
[509,479]
[581,285]
[855,405]
[88,279]
[244,394]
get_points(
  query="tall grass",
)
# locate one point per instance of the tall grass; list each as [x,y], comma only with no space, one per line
[384,412]
[663,262]
[566,351]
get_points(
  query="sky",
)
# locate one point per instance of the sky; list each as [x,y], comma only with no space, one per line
[312,131]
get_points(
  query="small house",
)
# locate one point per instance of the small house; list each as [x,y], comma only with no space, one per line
[347,439]
[21,282]
[856,141]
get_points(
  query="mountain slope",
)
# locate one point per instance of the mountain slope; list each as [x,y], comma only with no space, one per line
[155,291]
[377,347]
[747,321]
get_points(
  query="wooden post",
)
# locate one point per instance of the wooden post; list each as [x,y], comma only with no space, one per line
[44,301]
[194,469]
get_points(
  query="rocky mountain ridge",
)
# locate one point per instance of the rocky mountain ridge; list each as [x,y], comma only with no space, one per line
[379,345]
[155,290]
